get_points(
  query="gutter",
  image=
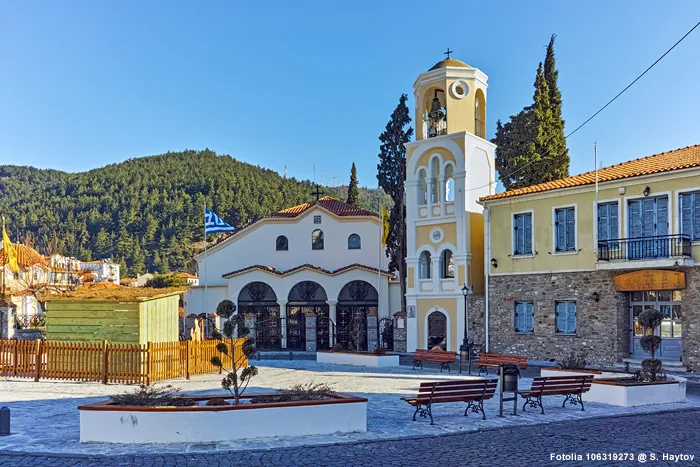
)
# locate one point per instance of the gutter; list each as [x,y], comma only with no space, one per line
[487,271]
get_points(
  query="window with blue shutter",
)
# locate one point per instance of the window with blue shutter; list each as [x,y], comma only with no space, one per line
[690,214]
[565,229]
[608,221]
[524,317]
[565,317]
[522,234]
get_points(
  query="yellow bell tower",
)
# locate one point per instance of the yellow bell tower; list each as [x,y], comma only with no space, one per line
[448,168]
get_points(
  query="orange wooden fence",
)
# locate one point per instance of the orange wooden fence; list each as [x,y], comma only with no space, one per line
[112,363]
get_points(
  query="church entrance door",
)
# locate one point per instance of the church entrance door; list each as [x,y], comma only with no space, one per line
[259,299]
[307,298]
[356,301]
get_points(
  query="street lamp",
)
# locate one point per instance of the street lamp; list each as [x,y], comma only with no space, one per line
[465,349]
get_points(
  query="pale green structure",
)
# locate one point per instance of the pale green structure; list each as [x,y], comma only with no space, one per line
[128,321]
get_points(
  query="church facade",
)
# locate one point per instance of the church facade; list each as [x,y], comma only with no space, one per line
[305,278]
[448,168]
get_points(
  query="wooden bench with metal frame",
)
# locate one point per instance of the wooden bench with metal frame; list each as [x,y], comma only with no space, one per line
[572,387]
[473,392]
[495,360]
[443,357]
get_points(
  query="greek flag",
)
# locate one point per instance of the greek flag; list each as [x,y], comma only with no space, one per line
[215,224]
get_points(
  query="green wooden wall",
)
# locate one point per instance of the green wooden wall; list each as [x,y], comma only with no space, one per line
[117,322]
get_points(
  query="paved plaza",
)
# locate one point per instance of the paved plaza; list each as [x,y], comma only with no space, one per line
[45,420]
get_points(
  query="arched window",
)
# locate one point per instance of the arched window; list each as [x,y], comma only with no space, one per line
[449,183]
[434,177]
[422,188]
[480,114]
[282,243]
[447,265]
[354,242]
[317,240]
[424,271]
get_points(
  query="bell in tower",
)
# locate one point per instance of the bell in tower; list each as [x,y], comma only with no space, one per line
[437,118]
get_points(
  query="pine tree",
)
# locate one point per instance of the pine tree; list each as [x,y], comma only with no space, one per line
[391,174]
[353,190]
[531,146]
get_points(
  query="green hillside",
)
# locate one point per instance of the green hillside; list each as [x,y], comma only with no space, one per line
[145,213]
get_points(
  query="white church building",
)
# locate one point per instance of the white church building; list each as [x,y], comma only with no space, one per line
[303,276]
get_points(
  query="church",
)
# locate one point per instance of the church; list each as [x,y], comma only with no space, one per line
[304,275]
[305,278]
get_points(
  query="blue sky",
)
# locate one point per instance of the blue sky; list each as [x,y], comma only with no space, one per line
[84,84]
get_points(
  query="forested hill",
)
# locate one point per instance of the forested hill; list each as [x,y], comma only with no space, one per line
[146,213]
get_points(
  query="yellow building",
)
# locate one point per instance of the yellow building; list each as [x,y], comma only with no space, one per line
[571,268]
[448,167]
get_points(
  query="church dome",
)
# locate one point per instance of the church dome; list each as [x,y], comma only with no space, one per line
[26,256]
[449,62]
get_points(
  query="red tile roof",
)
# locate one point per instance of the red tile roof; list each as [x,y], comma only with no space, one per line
[277,272]
[26,256]
[333,205]
[683,158]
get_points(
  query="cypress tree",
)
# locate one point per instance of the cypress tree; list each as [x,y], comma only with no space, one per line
[558,151]
[353,190]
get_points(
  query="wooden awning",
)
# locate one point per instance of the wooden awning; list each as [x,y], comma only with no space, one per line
[654,279]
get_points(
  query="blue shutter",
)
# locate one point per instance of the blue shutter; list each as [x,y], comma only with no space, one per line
[662,216]
[529,317]
[635,215]
[612,216]
[686,200]
[648,217]
[518,317]
[517,233]
[695,234]
[527,234]
[571,229]
[560,316]
[571,318]
[560,230]
[603,222]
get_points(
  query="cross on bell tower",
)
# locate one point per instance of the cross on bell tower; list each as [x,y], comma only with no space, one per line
[317,193]
[448,52]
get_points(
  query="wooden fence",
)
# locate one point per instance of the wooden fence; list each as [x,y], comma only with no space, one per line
[112,363]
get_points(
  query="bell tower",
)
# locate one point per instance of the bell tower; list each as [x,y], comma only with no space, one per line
[450,98]
[448,168]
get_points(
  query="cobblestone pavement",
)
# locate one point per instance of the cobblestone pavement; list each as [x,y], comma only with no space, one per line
[674,433]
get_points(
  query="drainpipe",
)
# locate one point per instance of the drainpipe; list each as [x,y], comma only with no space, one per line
[487,271]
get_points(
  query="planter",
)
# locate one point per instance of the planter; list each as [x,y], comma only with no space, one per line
[102,422]
[358,359]
[609,388]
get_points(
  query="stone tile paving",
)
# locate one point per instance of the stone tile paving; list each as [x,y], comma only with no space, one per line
[45,418]
[638,437]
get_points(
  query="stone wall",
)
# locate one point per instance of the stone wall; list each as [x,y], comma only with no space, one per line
[602,328]
[690,309]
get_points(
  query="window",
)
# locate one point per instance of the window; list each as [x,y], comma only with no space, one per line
[565,317]
[422,188]
[690,214]
[565,229]
[354,242]
[524,317]
[317,219]
[608,221]
[317,240]
[424,270]
[447,266]
[449,183]
[522,234]
[434,177]
[282,243]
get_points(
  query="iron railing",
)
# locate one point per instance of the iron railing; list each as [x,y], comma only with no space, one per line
[654,247]
[480,128]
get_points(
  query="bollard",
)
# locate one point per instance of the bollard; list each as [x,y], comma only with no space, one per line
[4,421]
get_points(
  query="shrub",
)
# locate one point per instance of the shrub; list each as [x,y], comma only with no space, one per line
[652,369]
[337,347]
[238,375]
[152,396]
[298,392]
[217,401]
[379,350]
[573,361]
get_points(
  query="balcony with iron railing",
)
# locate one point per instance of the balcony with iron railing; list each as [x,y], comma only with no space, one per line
[661,250]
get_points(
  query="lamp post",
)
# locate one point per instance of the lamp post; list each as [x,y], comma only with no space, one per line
[465,349]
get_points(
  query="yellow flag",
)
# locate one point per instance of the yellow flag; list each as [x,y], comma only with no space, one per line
[385,225]
[10,252]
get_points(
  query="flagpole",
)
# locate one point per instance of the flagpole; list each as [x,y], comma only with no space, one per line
[205,299]
[595,234]
[379,271]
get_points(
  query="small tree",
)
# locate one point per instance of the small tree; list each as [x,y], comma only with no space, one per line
[238,375]
[353,190]
[651,367]
[357,333]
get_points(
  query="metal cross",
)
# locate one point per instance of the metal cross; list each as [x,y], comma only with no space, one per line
[317,193]
[448,52]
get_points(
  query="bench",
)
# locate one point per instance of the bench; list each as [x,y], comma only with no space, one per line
[569,386]
[444,358]
[473,392]
[495,360]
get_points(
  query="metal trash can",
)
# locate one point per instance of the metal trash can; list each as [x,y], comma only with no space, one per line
[511,373]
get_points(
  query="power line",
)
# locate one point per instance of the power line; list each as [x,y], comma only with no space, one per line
[602,108]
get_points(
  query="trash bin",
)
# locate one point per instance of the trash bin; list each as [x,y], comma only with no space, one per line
[511,373]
